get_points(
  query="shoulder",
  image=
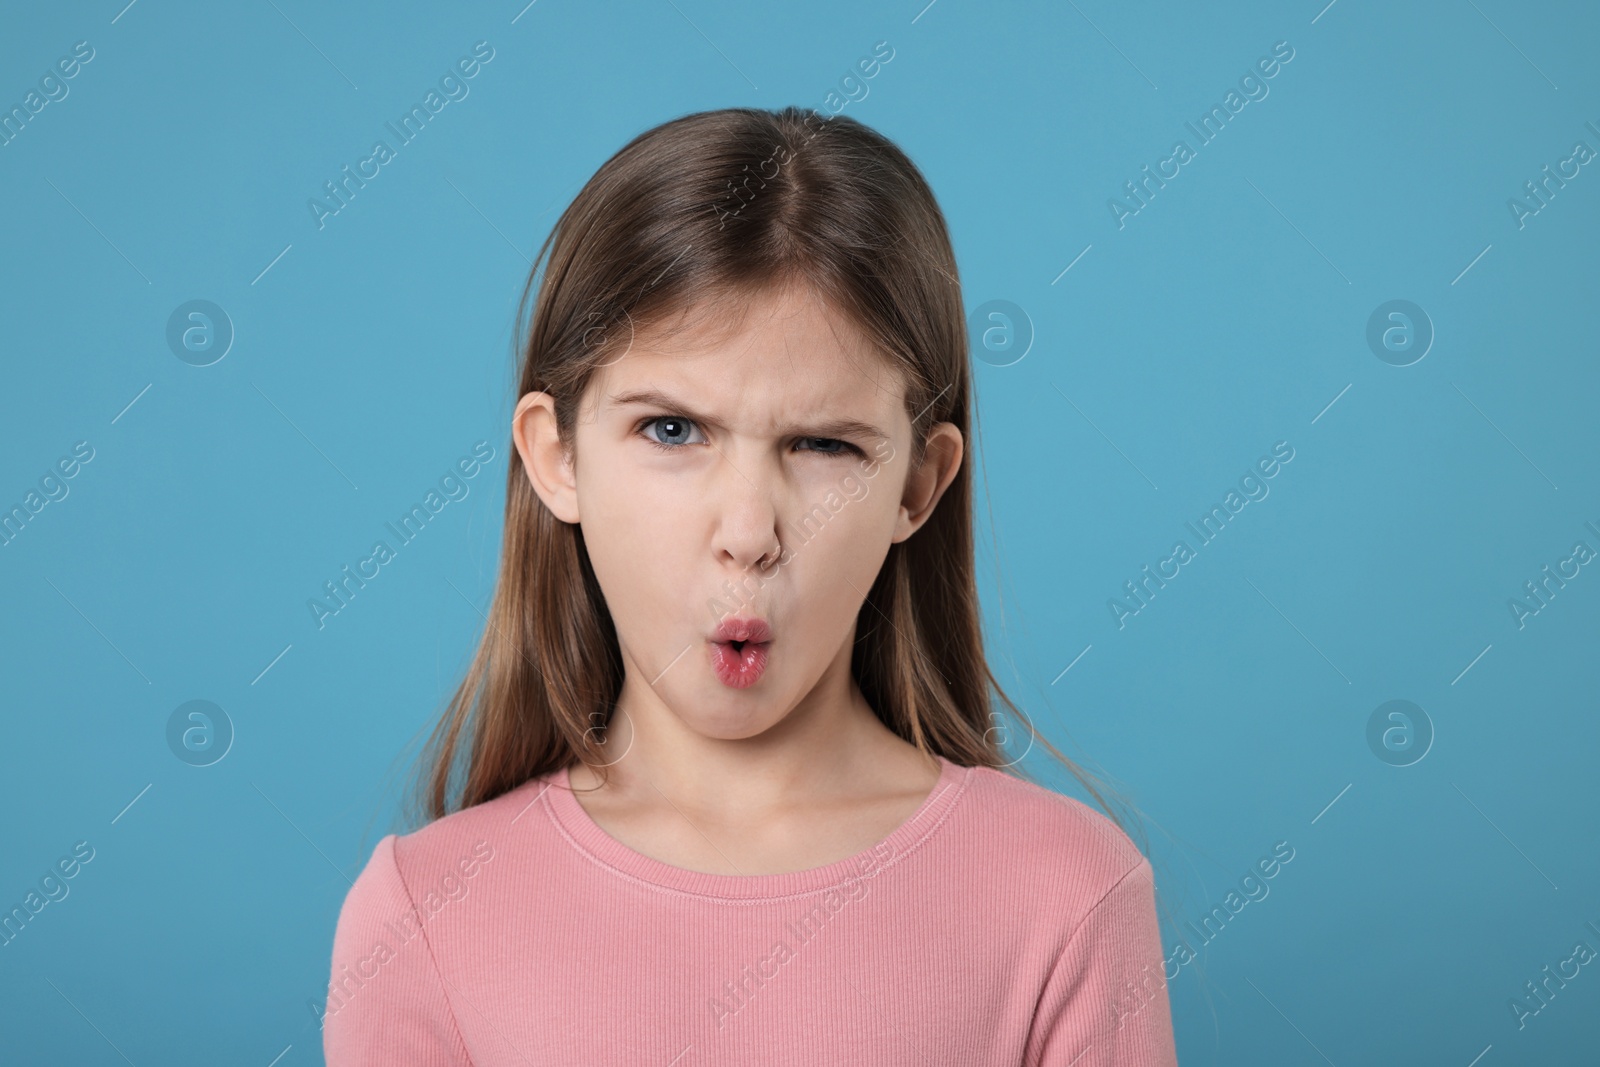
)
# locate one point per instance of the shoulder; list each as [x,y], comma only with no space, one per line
[388,1001]
[465,839]
[1048,839]
[405,869]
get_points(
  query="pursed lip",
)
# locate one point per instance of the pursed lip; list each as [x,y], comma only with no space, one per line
[743,628]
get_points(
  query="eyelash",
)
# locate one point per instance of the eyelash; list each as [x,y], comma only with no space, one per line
[846,449]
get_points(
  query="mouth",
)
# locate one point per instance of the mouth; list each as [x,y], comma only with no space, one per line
[739,664]
[739,651]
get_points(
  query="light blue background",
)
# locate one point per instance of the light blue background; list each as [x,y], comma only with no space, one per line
[1227,315]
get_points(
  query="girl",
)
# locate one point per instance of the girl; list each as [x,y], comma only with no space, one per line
[722,784]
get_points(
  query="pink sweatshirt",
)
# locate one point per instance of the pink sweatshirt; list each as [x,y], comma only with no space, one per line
[1001,924]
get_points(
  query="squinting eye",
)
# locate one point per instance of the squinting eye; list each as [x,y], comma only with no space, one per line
[668,431]
[832,446]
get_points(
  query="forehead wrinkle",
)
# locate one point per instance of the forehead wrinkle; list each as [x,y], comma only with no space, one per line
[849,342]
[828,425]
[849,339]
[822,424]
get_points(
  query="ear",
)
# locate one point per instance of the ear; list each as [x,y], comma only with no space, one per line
[545,459]
[941,462]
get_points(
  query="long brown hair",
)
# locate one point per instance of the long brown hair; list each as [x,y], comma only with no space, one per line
[689,213]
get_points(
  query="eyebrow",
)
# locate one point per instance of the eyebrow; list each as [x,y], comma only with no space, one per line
[830,428]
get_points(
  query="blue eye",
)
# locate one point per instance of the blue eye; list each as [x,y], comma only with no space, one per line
[668,432]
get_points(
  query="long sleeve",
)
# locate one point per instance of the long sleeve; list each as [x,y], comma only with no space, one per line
[387,1002]
[1105,1003]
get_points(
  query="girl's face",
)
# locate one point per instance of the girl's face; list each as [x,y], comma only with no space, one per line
[754,474]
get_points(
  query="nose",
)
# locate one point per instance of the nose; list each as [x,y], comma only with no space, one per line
[747,526]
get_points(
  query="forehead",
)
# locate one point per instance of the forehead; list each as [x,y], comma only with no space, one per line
[760,361]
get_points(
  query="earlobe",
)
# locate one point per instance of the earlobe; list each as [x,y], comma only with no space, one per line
[925,486]
[545,459]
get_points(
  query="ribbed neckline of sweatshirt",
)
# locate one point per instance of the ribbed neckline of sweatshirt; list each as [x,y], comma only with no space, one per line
[1001,923]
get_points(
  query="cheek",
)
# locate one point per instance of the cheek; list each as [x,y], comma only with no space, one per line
[622,498]
[839,546]
[637,532]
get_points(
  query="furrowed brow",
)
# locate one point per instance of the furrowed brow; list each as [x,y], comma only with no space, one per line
[846,428]
[651,398]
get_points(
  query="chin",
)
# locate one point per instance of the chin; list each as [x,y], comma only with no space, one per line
[735,723]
